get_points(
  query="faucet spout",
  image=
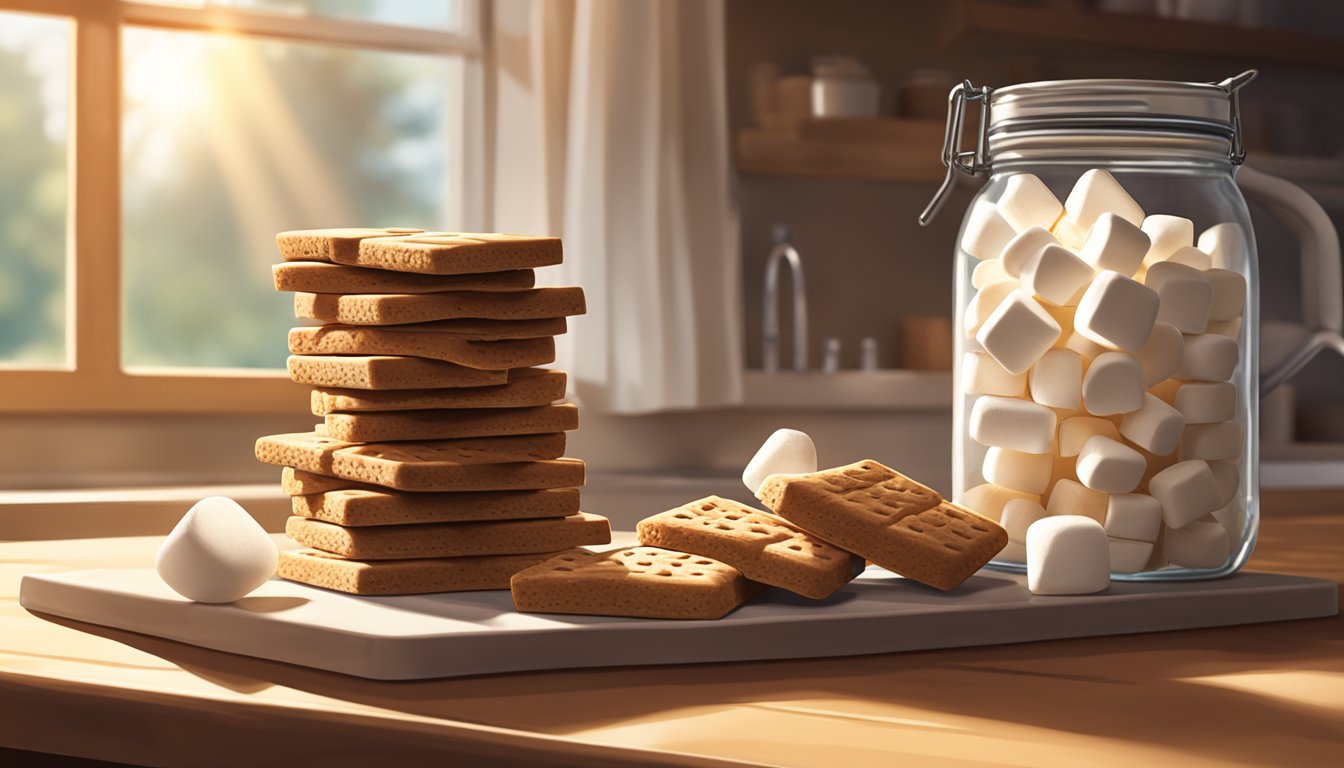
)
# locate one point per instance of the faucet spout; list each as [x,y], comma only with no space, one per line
[784,253]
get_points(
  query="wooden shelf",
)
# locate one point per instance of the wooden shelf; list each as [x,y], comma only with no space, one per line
[999,25]
[868,149]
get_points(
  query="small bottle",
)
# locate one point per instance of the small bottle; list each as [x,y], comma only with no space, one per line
[868,354]
[830,355]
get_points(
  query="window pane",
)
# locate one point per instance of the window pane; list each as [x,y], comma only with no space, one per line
[228,140]
[435,14]
[34,126]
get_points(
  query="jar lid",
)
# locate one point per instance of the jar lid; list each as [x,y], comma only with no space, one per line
[1118,103]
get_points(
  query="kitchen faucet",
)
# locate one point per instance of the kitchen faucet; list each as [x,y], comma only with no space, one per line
[784,252]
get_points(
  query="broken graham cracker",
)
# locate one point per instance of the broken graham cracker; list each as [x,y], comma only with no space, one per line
[640,582]
[399,542]
[403,577]
[874,511]
[475,464]
[356,508]
[455,253]
[401,308]
[451,424]
[340,244]
[527,387]
[387,372]
[339,339]
[761,546]
[319,277]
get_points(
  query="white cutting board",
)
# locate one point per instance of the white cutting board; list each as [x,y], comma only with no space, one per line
[470,633]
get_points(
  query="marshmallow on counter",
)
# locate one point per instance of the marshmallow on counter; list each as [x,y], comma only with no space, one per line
[982,375]
[1225,244]
[216,553]
[1109,466]
[1067,555]
[1113,384]
[1227,477]
[1018,332]
[1207,357]
[1206,402]
[1019,425]
[1183,293]
[1070,497]
[983,304]
[1116,311]
[785,452]
[1056,275]
[1116,245]
[1229,294]
[1167,234]
[989,500]
[1190,256]
[1229,328]
[1186,490]
[1057,379]
[1097,192]
[1161,354]
[1025,472]
[1022,249]
[1201,544]
[1133,516]
[1156,427]
[1077,430]
[1129,556]
[1026,202]
[986,232]
[1212,442]
[1018,515]
[989,272]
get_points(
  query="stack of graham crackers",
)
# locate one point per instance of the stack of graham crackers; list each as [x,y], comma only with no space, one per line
[438,463]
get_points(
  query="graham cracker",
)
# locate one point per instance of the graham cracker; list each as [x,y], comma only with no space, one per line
[403,577]
[339,339]
[387,372]
[400,542]
[641,582]
[874,511]
[331,244]
[298,482]
[456,253]
[474,464]
[401,308]
[526,387]
[759,545]
[451,424]
[320,277]
[475,329]
[357,508]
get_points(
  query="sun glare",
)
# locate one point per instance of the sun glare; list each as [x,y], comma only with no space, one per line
[168,76]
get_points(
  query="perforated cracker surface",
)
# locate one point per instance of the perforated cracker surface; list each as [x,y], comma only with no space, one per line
[336,339]
[401,308]
[340,244]
[398,542]
[447,253]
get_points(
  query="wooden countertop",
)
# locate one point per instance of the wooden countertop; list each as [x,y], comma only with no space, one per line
[1270,694]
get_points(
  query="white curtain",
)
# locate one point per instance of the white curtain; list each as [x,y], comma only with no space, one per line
[611,131]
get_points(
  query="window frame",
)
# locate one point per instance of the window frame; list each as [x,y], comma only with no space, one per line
[93,379]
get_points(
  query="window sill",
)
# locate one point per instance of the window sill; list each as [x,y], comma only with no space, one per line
[103,512]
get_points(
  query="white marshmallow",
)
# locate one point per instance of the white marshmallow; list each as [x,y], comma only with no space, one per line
[1068,234]
[1085,347]
[1117,311]
[1161,354]
[1095,193]
[1025,472]
[1227,477]
[1229,294]
[1202,544]
[1077,430]
[1018,515]
[1020,251]
[1113,384]
[1133,516]
[216,553]
[1212,442]
[989,272]
[1013,552]
[1116,245]
[1109,466]
[1229,328]
[1018,332]
[1057,379]
[1187,492]
[1128,556]
[982,375]
[986,232]
[1207,357]
[1190,256]
[1167,233]
[785,452]
[989,500]
[1225,244]
[1232,516]
[1207,402]
[1070,497]
[1184,295]
[1056,275]
[1156,427]
[1067,555]
[983,304]
[1016,424]
[1027,203]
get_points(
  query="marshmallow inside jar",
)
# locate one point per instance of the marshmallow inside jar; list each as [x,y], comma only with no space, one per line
[1101,352]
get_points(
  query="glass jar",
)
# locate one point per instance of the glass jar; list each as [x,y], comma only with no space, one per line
[1107,363]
